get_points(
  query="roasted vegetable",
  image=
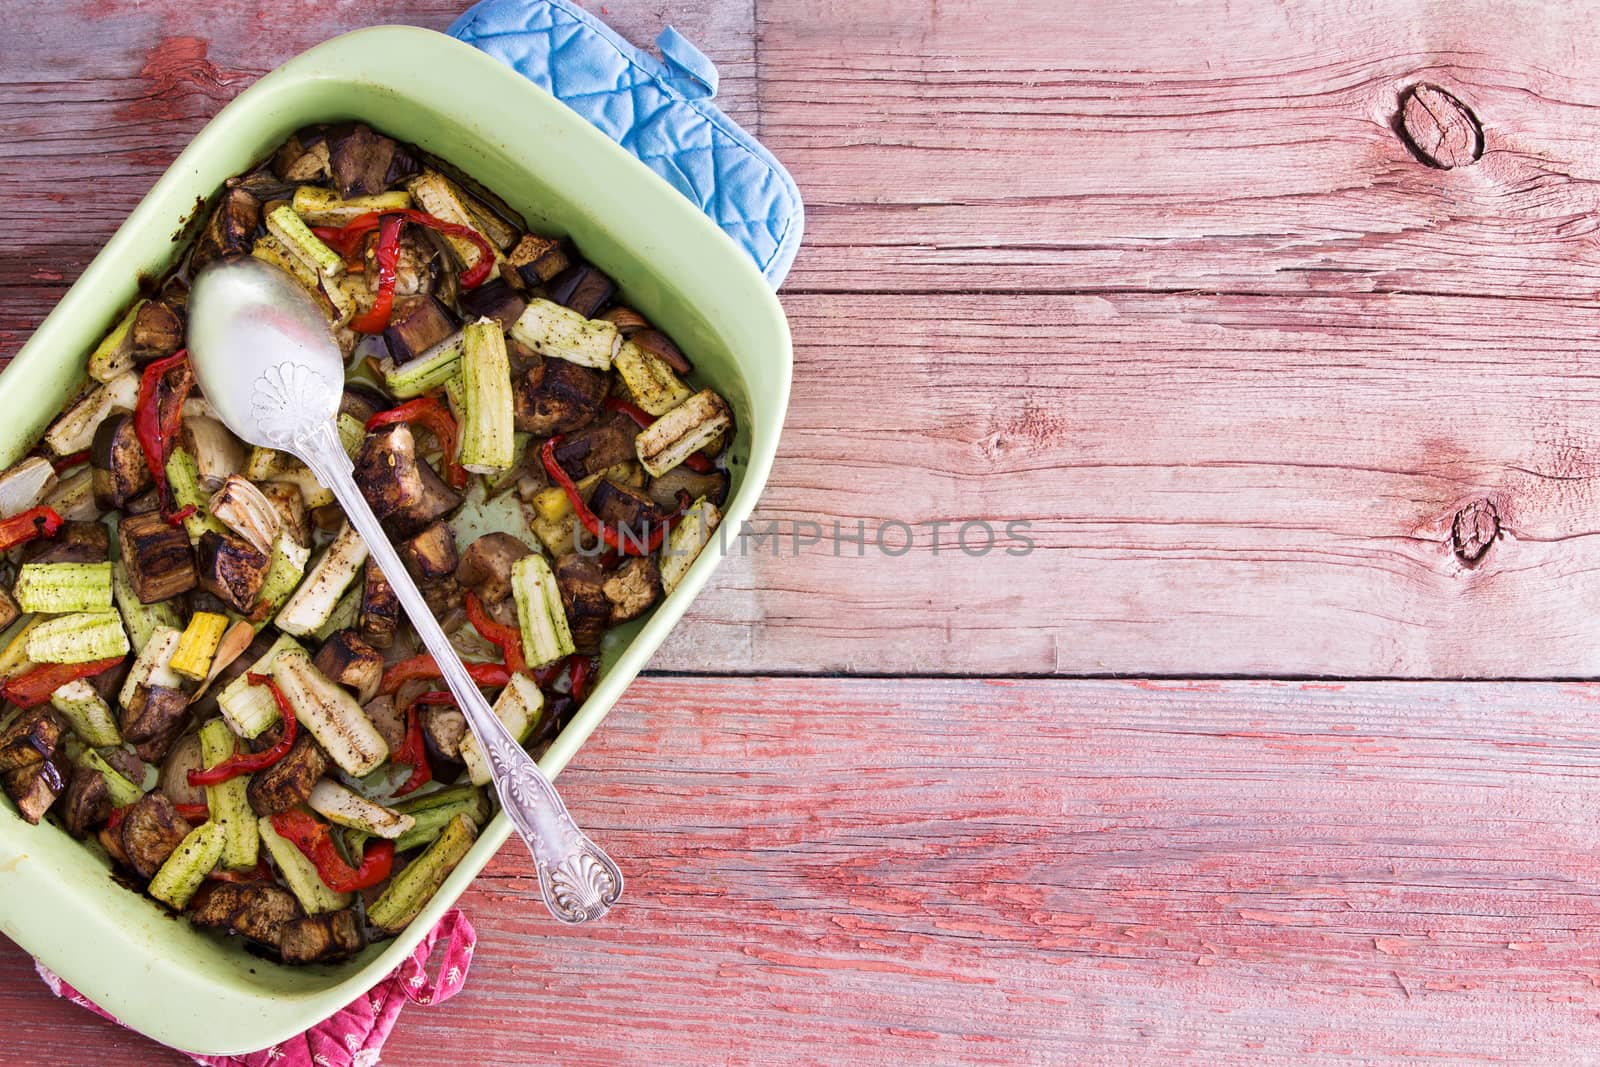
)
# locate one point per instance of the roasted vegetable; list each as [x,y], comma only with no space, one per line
[682,431]
[290,780]
[557,396]
[227,801]
[519,707]
[632,588]
[486,443]
[380,608]
[552,330]
[231,570]
[79,638]
[485,566]
[536,260]
[331,715]
[152,830]
[119,472]
[351,662]
[156,556]
[431,554]
[259,911]
[417,324]
[60,587]
[247,512]
[545,634]
[386,470]
[688,538]
[411,888]
[180,876]
[313,602]
[86,711]
[299,874]
[340,805]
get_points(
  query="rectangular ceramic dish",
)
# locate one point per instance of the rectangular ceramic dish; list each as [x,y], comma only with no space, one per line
[187,987]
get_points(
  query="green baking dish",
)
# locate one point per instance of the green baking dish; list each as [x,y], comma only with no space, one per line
[190,988]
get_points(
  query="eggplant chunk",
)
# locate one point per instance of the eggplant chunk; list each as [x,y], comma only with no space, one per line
[363,162]
[557,396]
[485,566]
[437,500]
[31,738]
[386,470]
[391,725]
[582,288]
[35,788]
[537,259]
[431,554]
[9,611]
[602,445]
[256,910]
[289,781]
[151,831]
[495,300]
[157,556]
[664,488]
[78,541]
[154,720]
[351,662]
[157,331]
[627,507]
[303,157]
[88,801]
[231,229]
[231,570]
[582,584]
[380,608]
[117,460]
[632,588]
[418,323]
[444,728]
[322,937]
[361,401]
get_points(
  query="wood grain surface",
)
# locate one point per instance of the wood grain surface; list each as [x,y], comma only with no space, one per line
[1272,321]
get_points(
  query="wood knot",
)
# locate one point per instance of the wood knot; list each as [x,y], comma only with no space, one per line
[1439,129]
[1474,530]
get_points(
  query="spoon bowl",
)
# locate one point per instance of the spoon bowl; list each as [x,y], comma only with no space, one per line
[264,357]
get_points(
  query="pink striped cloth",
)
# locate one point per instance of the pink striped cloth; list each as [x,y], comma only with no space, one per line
[352,1037]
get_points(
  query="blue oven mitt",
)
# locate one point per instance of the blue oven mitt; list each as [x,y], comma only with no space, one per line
[660,111]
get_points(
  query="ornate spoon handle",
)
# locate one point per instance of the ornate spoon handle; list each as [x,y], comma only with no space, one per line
[579,882]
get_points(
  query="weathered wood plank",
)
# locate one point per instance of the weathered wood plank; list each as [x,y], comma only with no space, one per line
[1246,147]
[1215,485]
[1042,872]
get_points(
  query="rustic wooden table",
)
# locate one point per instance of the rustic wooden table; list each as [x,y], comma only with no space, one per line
[1288,371]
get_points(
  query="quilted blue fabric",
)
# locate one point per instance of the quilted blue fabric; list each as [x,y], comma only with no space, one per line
[660,110]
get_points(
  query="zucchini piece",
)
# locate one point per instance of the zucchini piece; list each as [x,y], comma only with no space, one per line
[153,666]
[351,433]
[78,638]
[228,801]
[433,193]
[553,330]
[314,601]
[250,709]
[330,713]
[433,812]
[427,372]
[140,618]
[114,354]
[487,433]
[346,613]
[62,587]
[545,634]
[73,497]
[269,249]
[347,808]
[121,791]
[683,431]
[299,873]
[520,705]
[183,475]
[324,207]
[199,642]
[74,431]
[288,565]
[176,883]
[683,545]
[297,237]
[411,889]
[14,658]
[650,379]
[87,713]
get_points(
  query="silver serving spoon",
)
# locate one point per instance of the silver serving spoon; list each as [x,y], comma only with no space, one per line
[267,361]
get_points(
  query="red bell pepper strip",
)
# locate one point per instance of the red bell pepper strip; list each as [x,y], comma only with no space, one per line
[26,525]
[376,319]
[508,638]
[250,762]
[414,751]
[698,462]
[33,688]
[68,462]
[156,421]
[591,522]
[114,820]
[314,839]
[422,667]
[194,813]
[579,680]
[432,414]
[345,239]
